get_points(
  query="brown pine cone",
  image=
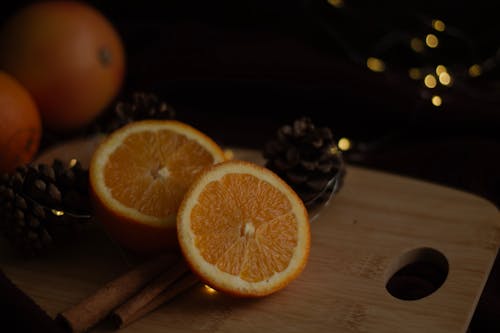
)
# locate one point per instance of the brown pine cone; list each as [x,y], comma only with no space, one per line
[138,106]
[41,203]
[308,159]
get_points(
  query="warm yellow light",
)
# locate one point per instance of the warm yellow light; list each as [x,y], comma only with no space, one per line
[228,154]
[475,70]
[438,25]
[417,45]
[415,73]
[333,150]
[375,64]
[209,290]
[444,78]
[336,3]
[57,212]
[430,81]
[432,41]
[73,162]
[436,100]
[344,144]
[440,69]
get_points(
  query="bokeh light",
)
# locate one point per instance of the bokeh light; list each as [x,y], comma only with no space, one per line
[445,79]
[209,290]
[336,3]
[436,100]
[432,41]
[344,144]
[438,25]
[475,70]
[417,45]
[375,64]
[430,81]
[441,69]
[415,73]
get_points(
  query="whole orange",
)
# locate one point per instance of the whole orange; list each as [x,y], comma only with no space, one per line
[20,124]
[68,56]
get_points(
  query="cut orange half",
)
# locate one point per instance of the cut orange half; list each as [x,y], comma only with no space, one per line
[243,230]
[139,176]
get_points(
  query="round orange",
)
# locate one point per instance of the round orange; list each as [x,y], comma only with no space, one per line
[68,56]
[20,125]
[138,178]
[243,230]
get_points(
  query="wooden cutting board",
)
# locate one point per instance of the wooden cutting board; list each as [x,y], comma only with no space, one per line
[374,226]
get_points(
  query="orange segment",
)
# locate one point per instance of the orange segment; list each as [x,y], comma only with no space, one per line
[243,230]
[140,173]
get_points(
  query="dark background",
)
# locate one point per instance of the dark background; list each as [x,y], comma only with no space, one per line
[240,69]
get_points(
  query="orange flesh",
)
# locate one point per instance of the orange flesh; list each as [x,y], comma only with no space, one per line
[154,181]
[245,227]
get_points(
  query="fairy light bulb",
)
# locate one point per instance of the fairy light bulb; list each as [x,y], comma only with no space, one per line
[445,79]
[209,290]
[375,64]
[430,81]
[436,100]
[438,25]
[415,73]
[417,45]
[344,144]
[475,70]
[432,41]
[336,3]
[441,69]
[57,212]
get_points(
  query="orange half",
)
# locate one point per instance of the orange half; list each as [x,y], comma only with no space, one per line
[243,230]
[139,176]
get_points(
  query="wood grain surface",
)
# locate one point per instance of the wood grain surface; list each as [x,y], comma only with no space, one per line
[376,224]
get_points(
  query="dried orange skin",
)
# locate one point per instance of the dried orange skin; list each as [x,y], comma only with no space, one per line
[243,230]
[139,175]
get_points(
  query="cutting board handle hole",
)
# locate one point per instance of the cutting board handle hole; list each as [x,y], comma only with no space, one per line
[417,274]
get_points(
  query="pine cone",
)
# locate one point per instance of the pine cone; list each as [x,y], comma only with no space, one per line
[40,204]
[308,159]
[139,106]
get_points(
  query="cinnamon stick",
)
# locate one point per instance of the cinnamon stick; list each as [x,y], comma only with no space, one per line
[151,291]
[124,317]
[91,310]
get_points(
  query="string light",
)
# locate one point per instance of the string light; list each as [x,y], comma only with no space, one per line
[445,79]
[209,290]
[229,154]
[415,73]
[432,41]
[475,70]
[440,69]
[436,100]
[417,45]
[344,144]
[57,212]
[422,66]
[375,64]
[438,25]
[336,3]
[334,150]
[430,81]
